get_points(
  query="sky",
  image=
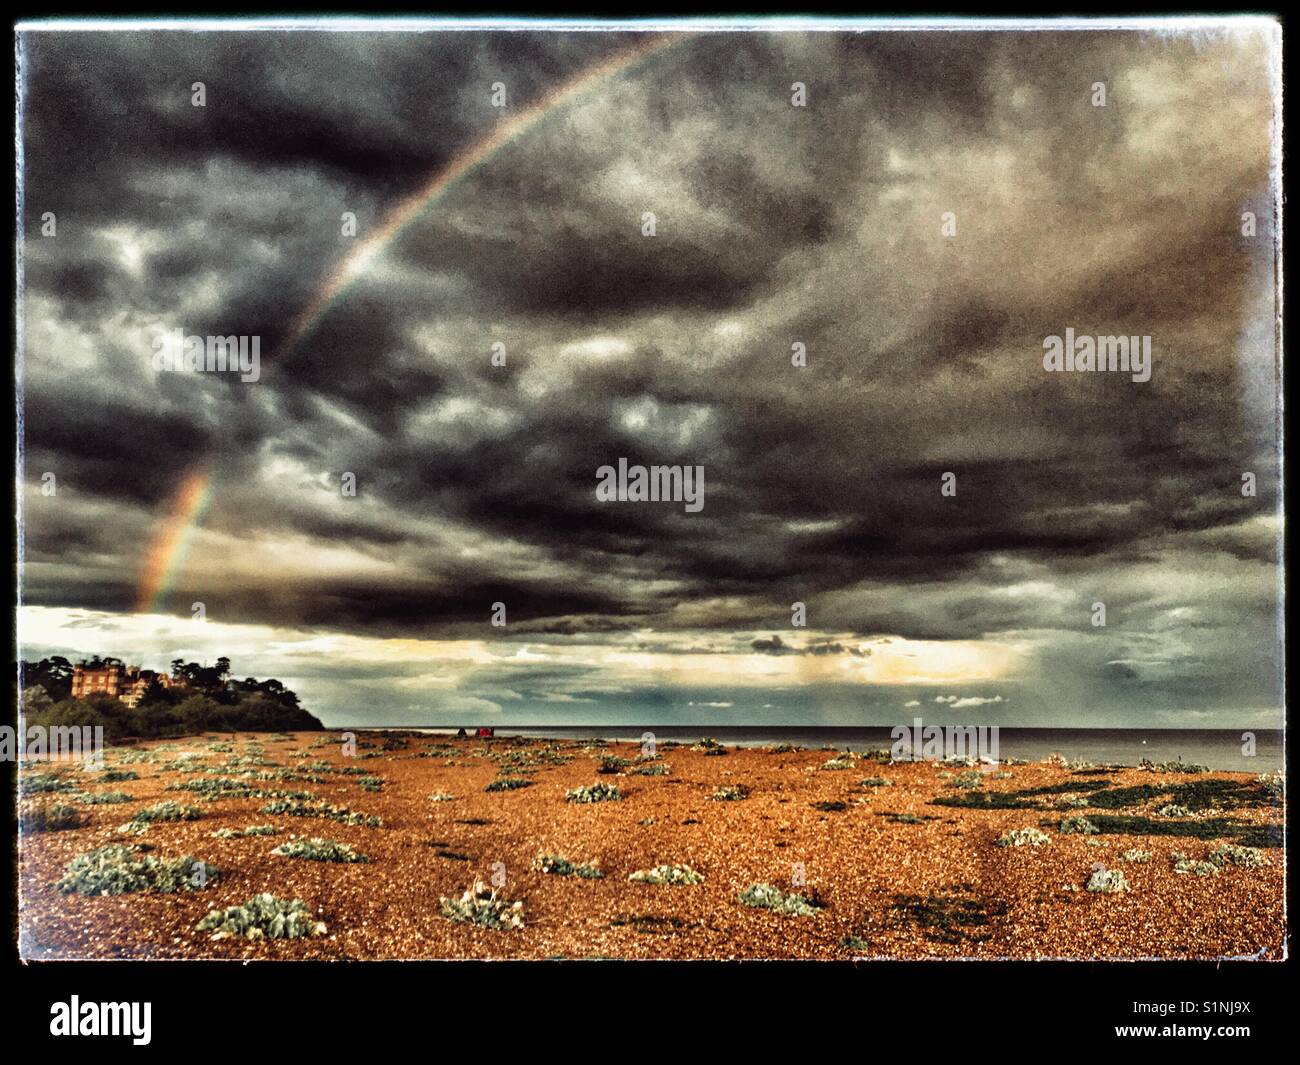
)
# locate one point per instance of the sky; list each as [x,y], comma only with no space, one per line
[940,204]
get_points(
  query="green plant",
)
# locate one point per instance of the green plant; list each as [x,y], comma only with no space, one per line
[1189,867]
[767,897]
[1136,855]
[441,796]
[263,917]
[102,798]
[667,874]
[251,830]
[1231,854]
[841,761]
[37,783]
[558,866]
[593,793]
[730,793]
[342,814]
[508,784]
[318,850]
[481,905]
[1078,826]
[875,782]
[1107,881]
[117,870]
[159,811]
[55,817]
[1173,810]
[1024,837]
[656,769]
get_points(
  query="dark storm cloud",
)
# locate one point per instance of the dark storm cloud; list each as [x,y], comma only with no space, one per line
[775,225]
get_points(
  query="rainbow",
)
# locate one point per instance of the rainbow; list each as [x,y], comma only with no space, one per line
[367,251]
[167,550]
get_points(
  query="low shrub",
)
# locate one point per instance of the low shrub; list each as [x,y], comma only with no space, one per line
[481,905]
[159,811]
[558,866]
[508,784]
[102,798]
[667,874]
[442,796]
[593,793]
[1078,826]
[318,850]
[730,793]
[1024,837]
[118,870]
[1136,855]
[767,897]
[263,917]
[1107,881]
[55,817]
[294,808]
[251,830]
[1231,854]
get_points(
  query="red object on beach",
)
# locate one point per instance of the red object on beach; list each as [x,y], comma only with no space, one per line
[485,732]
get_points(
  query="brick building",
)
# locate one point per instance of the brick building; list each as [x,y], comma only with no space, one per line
[127,683]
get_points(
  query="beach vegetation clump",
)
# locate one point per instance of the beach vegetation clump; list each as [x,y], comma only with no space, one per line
[1173,809]
[1190,867]
[1024,837]
[613,764]
[442,796]
[846,760]
[971,779]
[767,897]
[159,811]
[830,806]
[481,905]
[319,850]
[875,782]
[1272,784]
[508,784]
[730,793]
[371,783]
[784,748]
[251,830]
[102,798]
[295,808]
[40,783]
[1078,826]
[54,817]
[1231,854]
[667,874]
[707,743]
[556,865]
[654,769]
[119,870]
[1107,881]
[1136,856]
[593,793]
[263,917]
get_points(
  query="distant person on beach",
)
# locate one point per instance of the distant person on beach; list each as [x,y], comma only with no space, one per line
[461,733]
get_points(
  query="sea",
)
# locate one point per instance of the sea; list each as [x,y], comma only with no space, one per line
[1225,749]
